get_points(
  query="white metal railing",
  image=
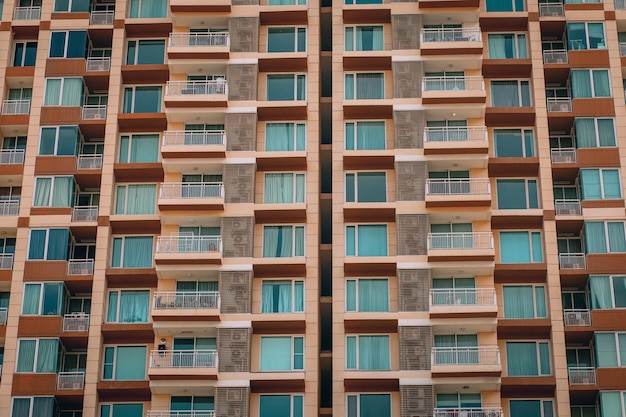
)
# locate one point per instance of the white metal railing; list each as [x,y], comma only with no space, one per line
[71,381]
[563,155]
[76,322]
[620,4]
[101,17]
[464,83]
[559,104]
[177,88]
[189,244]
[572,261]
[16,107]
[458,186]
[450,35]
[577,317]
[183,358]
[460,240]
[85,214]
[6,261]
[27,13]
[456,134]
[199,39]
[194,137]
[172,413]
[463,297]
[12,156]
[97,64]
[622,49]
[9,207]
[179,300]
[94,111]
[567,207]
[89,161]
[467,412]
[555,56]
[3,315]
[473,355]
[192,190]
[551,9]
[80,267]
[582,375]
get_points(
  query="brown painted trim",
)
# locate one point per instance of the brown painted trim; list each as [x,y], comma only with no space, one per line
[452,51]
[372,385]
[280,270]
[278,385]
[380,14]
[370,325]
[279,327]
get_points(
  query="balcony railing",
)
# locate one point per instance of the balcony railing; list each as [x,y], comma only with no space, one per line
[173,300]
[6,261]
[468,412]
[183,358]
[189,244]
[620,4]
[89,161]
[458,186]
[451,35]
[194,137]
[172,413]
[463,297]
[456,134]
[555,56]
[12,156]
[582,376]
[27,13]
[101,17]
[80,267]
[560,104]
[94,111]
[563,155]
[476,355]
[97,64]
[3,316]
[567,207]
[199,39]
[76,322]
[474,83]
[572,261]
[177,88]
[71,381]
[460,240]
[16,107]
[551,9]
[577,317]
[192,190]
[85,214]
[9,207]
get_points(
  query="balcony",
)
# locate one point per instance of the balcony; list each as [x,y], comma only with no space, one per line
[194,138]
[80,267]
[567,207]
[484,359]
[460,241]
[555,56]
[455,139]
[474,83]
[6,261]
[16,107]
[551,10]
[71,381]
[89,162]
[76,322]
[563,155]
[462,301]
[101,17]
[582,375]
[172,300]
[27,13]
[9,207]
[12,157]
[189,244]
[429,35]
[85,214]
[97,64]
[572,261]
[3,316]
[177,88]
[172,413]
[561,104]
[458,186]
[184,39]
[577,317]
[468,412]
[183,359]
[204,195]
[94,112]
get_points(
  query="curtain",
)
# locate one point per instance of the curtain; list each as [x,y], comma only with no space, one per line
[138,252]
[127,410]
[605,350]
[525,363]
[68,140]
[58,242]
[445,354]
[153,9]
[21,407]
[26,355]
[298,296]
[498,45]
[72,92]
[112,307]
[372,240]
[595,239]
[278,188]
[522,49]
[600,292]
[349,137]
[611,184]
[279,136]
[370,135]
[610,404]
[281,87]
[617,241]
[505,94]
[351,295]
[373,295]
[514,247]
[525,408]
[373,352]
[42,192]
[540,301]
[144,148]
[276,353]
[349,87]
[276,297]
[375,405]
[518,302]
[134,306]
[275,405]
[544,359]
[62,192]
[590,184]
[581,84]
[606,132]
[300,185]
[141,199]
[537,251]
[53,92]
[468,348]
[130,363]
[585,130]
[37,244]
[370,86]
[48,355]
[277,241]
[351,352]
[601,83]
[299,238]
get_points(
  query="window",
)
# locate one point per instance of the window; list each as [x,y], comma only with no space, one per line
[69,44]
[285,137]
[368,405]
[282,296]
[510,93]
[452,402]
[367,353]
[147,9]
[367,295]
[366,240]
[124,363]
[71,5]
[594,132]
[454,291]
[126,306]
[528,358]
[284,188]
[38,355]
[447,131]
[604,237]
[145,52]
[524,301]
[121,410]
[49,244]
[46,298]
[610,349]
[281,405]
[451,236]
[588,83]
[366,187]
[365,136]
[610,404]
[63,92]
[282,353]
[507,45]
[365,86]
[600,184]
[517,194]
[32,406]
[363,1]
[514,143]
[283,241]
[25,54]
[135,199]
[286,39]
[457,349]
[139,148]
[132,252]
[142,99]
[584,35]
[607,291]
[59,140]
[584,410]
[287,87]
[520,247]
[53,192]
[505,6]
[195,403]
[531,408]
[364,38]
[286,2]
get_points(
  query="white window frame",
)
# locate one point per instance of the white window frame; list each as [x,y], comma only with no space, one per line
[519,91]
[291,348]
[517,35]
[294,126]
[41,294]
[355,75]
[529,234]
[79,139]
[123,239]
[67,37]
[600,171]
[354,37]
[119,301]
[523,131]
[130,137]
[36,356]
[45,247]
[134,96]
[295,37]
[125,185]
[526,191]
[293,238]
[296,76]
[354,140]
[59,102]
[23,57]
[52,182]
[31,402]
[291,402]
[137,41]
[592,84]
[357,345]
[294,188]
[356,186]
[356,288]
[293,294]
[537,343]
[597,133]
[356,236]
[114,366]
[534,287]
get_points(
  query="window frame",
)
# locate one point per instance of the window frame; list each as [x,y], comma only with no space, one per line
[41,298]
[126,202]
[357,351]
[292,403]
[354,36]
[24,53]
[119,292]
[358,396]
[592,84]
[59,102]
[296,33]
[51,189]
[516,51]
[605,224]
[537,344]
[295,125]
[297,76]
[138,46]
[113,364]
[601,180]
[596,131]
[611,278]
[31,402]
[520,82]
[123,244]
[130,138]
[36,354]
[66,42]
[47,241]
[57,129]
[354,140]
[526,153]
[541,402]
[294,187]
[355,183]
[530,233]
[133,89]
[534,301]
[293,283]
[357,308]
[294,227]
[587,43]
[356,227]
[355,75]
[292,347]
[527,195]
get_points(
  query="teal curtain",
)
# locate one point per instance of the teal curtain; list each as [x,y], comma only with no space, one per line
[370,86]
[595,238]
[62,192]
[148,8]
[277,241]
[141,199]
[373,295]
[276,297]
[610,404]
[605,350]
[280,137]
[43,187]
[21,407]
[518,302]
[127,410]
[31,298]
[372,240]
[351,355]
[374,405]
[522,359]
[134,306]
[130,363]
[349,87]
[606,132]
[298,296]
[26,355]
[544,358]
[350,240]
[275,405]
[525,408]
[144,148]
[617,240]
[48,356]
[276,353]
[585,130]
[374,352]
[53,92]
[72,92]
[370,135]
[368,38]
[600,292]
[138,252]
[112,307]
[580,83]
[299,241]
[58,244]
[540,301]
[537,251]
[601,83]
[514,247]
[36,249]
[350,137]
[590,184]
[611,183]
[279,188]
[351,295]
